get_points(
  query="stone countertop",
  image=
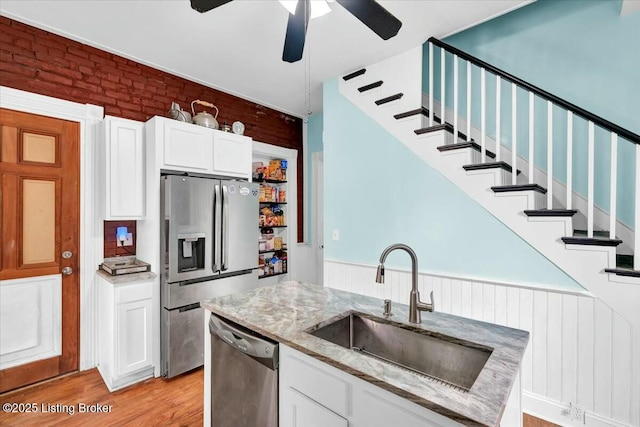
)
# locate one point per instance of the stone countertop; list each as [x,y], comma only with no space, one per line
[126,278]
[285,311]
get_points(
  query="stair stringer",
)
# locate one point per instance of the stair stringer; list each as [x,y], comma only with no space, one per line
[585,264]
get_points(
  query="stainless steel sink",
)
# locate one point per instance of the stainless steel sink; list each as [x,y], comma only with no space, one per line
[443,358]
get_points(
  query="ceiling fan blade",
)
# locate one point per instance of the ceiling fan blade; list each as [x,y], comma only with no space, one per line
[374,16]
[203,6]
[296,32]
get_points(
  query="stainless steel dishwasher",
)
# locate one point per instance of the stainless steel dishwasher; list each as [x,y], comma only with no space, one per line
[244,376]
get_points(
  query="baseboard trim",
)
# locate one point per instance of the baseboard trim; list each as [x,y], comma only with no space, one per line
[552,410]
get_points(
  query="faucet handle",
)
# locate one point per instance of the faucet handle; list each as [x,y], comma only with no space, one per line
[433,304]
[387,308]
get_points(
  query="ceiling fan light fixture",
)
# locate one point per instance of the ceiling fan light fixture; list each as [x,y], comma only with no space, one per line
[318,7]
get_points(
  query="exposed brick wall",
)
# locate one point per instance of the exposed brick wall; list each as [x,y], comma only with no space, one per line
[37,61]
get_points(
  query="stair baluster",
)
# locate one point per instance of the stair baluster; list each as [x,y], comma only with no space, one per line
[455,98]
[569,160]
[614,186]
[443,98]
[590,179]
[531,136]
[498,111]
[549,155]
[514,130]
[483,115]
[431,94]
[468,101]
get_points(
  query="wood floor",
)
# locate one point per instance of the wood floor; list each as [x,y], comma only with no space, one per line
[155,402]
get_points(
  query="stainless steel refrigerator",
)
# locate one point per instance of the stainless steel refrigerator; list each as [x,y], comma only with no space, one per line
[209,247]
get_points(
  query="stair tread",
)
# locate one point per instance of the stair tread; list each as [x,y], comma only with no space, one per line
[595,241]
[550,212]
[446,126]
[461,145]
[490,165]
[354,74]
[410,113]
[522,187]
[629,272]
[370,86]
[389,98]
[434,128]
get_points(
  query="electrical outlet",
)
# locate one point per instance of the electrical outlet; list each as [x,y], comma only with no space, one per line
[126,242]
[335,235]
[575,413]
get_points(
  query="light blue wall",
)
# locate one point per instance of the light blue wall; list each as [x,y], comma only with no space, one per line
[314,145]
[581,50]
[377,192]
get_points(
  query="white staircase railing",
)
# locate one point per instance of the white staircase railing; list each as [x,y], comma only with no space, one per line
[623,176]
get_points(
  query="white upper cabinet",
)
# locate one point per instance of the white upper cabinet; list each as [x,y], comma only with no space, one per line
[124,165]
[231,155]
[187,147]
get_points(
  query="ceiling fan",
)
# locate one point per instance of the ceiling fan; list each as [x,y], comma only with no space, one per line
[369,12]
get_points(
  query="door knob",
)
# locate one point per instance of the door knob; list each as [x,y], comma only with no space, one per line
[67,271]
[67,254]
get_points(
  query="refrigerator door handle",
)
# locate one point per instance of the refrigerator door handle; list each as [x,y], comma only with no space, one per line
[217,207]
[225,228]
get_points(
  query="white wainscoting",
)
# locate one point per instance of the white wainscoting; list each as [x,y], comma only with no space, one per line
[30,319]
[580,351]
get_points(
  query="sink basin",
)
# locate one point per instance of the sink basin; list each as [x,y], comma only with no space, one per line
[445,359]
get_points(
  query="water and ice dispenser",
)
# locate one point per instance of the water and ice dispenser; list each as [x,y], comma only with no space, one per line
[191,250]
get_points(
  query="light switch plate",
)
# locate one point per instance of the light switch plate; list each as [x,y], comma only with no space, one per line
[335,235]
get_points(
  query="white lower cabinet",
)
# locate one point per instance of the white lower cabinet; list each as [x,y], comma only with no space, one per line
[125,324]
[313,393]
[298,410]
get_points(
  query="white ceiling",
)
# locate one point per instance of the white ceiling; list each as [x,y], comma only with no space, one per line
[237,48]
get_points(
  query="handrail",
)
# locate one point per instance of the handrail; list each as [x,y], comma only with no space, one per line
[627,134]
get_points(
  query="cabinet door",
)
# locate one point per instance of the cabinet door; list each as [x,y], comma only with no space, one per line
[187,147]
[231,155]
[125,170]
[297,410]
[133,336]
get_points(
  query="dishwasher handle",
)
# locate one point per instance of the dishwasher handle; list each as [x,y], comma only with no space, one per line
[257,347]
